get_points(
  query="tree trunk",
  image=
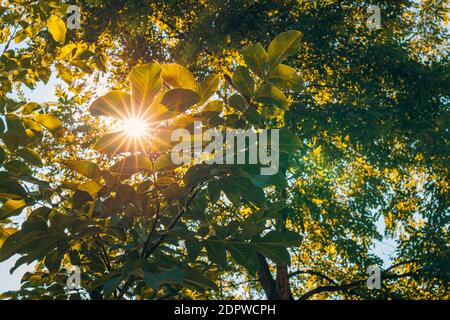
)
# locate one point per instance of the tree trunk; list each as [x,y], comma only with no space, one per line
[278,289]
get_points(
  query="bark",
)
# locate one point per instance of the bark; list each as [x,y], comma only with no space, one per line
[278,289]
[283,287]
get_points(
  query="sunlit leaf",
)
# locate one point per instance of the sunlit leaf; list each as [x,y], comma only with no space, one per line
[283,45]
[271,95]
[145,82]
[119,142]
[180,99]
[116,104]
[285,77]
[132,164]
[208,86]
[84,167]
[57,28]
[11,207]
[255,56]
[178,76]
[49,121]
[243,81]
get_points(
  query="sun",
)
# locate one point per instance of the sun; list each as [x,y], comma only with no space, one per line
[135,127]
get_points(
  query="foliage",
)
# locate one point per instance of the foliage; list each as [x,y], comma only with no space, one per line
[364,131]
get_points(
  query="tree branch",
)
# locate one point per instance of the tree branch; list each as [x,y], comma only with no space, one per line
[351,285]
[315,273]
[146,254]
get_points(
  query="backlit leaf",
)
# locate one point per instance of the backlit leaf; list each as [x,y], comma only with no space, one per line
[271,95]
[115,103]
[180,99]
[57,28]
[243,81]
[255,56]
[283,45]
[178,76]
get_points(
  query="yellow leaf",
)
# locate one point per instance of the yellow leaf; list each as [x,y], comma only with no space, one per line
[5,233]
[57,28]
[317,150]
[178,76]
[11,206]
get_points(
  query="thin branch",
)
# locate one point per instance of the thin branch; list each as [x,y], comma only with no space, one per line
[312,272]
[351,285]
[104,253]
[13,34]
[157,216]
[146,254]
[172,224]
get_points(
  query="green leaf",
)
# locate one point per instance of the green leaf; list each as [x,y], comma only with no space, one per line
[22,260]
[197,174]
[145,81]
[214,191]
[289,142]
[90,187]
[178,76]
[243,81]
[233,186]
[213,108]
[208,87]
[111,285]
[232,193]
[180,99]
[17,168]
[29,107]
[237,102]
[2,155]
[164,163]
[196,280]
[12,190]
[252,116]
[193,247]
[5,233]
[84,167]
[115,103]
[19,242]
[285,77]
[283,45]
[36,220]
[216,251]
[162,140]
[132,164]
[273,245]
[52,262]
[16,134]
[271,95]
[243,254]
[30,156]
[57,28]
[79,198]
[156,280]
[255,57]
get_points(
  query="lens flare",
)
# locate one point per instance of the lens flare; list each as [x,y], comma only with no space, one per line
[135,127]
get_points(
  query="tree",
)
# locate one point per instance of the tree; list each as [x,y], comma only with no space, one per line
[364,139]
